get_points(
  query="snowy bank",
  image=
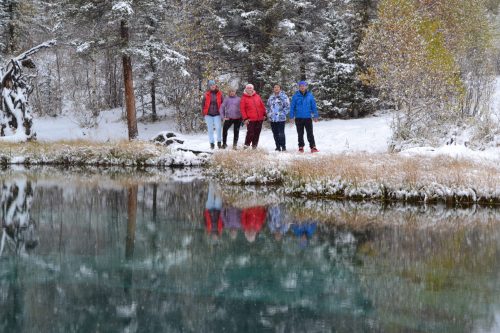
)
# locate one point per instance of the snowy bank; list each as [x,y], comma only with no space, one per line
[87,153]
[384,177]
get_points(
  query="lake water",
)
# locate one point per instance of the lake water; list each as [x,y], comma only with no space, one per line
[156,251]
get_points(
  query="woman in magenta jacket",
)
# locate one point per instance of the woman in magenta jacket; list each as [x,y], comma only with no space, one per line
[253,112]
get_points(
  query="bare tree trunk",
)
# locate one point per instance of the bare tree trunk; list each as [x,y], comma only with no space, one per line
[153,90]
[129,84]
[59,83]
[95,98]
[302,58]
[11,43]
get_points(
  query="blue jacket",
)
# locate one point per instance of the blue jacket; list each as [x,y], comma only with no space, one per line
[278,107]
[303,106]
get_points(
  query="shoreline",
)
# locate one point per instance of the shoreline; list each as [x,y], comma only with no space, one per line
[87,153]
[365,177]
[383,178]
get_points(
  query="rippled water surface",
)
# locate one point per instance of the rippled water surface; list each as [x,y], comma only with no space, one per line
[104,251]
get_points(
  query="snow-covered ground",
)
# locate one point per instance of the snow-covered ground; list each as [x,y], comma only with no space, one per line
[371,135]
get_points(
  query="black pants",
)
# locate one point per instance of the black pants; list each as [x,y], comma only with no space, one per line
[253,133]
[227,125]
[278,128]
[306,123]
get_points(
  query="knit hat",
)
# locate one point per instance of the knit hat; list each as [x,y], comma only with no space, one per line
[211,83]
[302,83]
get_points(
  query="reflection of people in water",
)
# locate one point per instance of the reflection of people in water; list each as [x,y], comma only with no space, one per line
[304,231]
[231,219]
[277,222]
[17,225]
[213,218]
[252,221]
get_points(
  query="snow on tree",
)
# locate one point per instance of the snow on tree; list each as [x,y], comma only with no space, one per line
[119,31]
[341,93]
[18,21]
[16,120]
[153,48]
[337,80]
[266,42]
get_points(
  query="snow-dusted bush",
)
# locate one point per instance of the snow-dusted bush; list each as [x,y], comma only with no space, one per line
[83,114]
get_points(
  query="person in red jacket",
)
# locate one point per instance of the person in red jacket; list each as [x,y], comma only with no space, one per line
[212,214]
[211,103]
[252,221]
[253,112]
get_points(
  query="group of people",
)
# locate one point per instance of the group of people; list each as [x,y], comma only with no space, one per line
[221,113]
[251,220]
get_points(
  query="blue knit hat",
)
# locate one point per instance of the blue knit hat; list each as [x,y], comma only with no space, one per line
[211,83]
[302,83]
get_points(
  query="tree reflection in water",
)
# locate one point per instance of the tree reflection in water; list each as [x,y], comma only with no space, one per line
[18,229]
[136,257]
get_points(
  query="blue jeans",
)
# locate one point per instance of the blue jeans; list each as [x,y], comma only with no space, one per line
[214,199]
[214,122]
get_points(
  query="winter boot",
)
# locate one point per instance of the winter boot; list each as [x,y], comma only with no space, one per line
[224,146]
[212,146]
[235,146]
[219,145]
[283,148]
[314,150]
[245,147]
[301,149]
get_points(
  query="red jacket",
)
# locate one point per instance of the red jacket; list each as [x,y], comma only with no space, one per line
[253,218]
[209,222]
[252,107]
[207,99]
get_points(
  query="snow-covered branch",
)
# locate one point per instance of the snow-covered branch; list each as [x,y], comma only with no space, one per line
[15,91]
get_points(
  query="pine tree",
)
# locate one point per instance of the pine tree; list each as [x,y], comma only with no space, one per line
[337,78]
[18,23]
[152,45]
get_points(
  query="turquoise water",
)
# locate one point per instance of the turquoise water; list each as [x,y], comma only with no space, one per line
[155,253]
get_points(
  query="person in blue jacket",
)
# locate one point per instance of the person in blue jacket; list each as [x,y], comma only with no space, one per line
[303,110]
[304,231]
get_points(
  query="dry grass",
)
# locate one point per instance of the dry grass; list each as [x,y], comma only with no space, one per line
[41,146]
[394,172]
[83,153]
[407,170]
